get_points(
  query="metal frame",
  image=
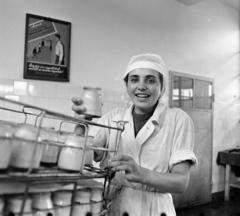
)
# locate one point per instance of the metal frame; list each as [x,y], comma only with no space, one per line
[46,176]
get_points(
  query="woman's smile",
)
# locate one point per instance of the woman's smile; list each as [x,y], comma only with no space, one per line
[142,96]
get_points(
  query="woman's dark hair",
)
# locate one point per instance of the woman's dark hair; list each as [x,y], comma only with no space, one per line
[160,77]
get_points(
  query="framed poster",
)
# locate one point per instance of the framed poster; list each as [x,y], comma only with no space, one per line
[47,49]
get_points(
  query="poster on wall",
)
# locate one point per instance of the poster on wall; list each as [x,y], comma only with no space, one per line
[47,49]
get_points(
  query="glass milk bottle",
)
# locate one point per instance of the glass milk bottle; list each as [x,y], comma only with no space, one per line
[89,154]
[62,202]
[82,202]
[72,158]
[50,152]
[42,204]
[14,205]
[23,148]
[6,133]
[96,200]
[92,100]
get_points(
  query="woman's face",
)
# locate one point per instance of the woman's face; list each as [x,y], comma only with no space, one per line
[144,89]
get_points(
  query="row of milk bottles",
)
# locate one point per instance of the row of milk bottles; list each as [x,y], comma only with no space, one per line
[19,151]
[87,202]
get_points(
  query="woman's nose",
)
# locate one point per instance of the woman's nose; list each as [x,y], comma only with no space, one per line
[141,87]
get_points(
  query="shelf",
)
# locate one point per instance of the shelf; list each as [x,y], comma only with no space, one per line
[235,184]
[53,174]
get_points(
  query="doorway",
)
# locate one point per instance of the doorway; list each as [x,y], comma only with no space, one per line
[194,94]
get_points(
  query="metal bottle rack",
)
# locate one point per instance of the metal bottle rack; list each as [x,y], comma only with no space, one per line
[55,175]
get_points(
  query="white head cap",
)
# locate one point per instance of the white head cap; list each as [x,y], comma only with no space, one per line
[151,61]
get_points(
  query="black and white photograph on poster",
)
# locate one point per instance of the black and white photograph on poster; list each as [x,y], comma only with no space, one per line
[47,49]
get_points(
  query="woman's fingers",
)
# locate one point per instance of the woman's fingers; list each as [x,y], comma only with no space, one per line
[122,167]
[115,163]
[77,100]
[78,108]
[126,169]
[77,105]
[126,164]
[121,163]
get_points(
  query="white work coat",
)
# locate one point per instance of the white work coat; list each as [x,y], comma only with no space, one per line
[166,139]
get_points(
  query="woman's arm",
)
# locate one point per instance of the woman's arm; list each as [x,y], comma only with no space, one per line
[174,182]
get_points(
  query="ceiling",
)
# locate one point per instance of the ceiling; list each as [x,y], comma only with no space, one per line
[235,4]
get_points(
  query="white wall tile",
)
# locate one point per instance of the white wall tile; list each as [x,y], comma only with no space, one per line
[11,105]
[27,100]
[56,105]
[41,102]
[63,91]
[35,89]
[76,91]
[6,86]
[67,107]
[49,90]
[61,106]
[20,88]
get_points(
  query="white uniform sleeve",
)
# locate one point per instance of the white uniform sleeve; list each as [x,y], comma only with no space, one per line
[183,141]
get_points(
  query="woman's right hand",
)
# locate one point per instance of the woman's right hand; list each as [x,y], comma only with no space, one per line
[79,109]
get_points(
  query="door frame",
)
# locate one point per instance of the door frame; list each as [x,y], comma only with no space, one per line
[194,77]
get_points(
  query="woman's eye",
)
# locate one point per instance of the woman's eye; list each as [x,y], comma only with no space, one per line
[133,79]
[151,81]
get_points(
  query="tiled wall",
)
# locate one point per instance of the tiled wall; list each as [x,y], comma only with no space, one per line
[48,95]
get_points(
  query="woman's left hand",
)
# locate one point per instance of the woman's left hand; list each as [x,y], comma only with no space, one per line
[133,172]
[175,181]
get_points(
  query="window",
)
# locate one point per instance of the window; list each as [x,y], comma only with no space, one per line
[191,92]
[182,93]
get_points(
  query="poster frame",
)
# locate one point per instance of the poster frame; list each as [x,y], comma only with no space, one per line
[44,57]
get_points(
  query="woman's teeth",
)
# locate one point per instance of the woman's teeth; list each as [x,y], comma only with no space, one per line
[142,96]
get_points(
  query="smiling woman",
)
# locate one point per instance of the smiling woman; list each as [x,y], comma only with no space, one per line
[144,89]
[156,148]
[144,81]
